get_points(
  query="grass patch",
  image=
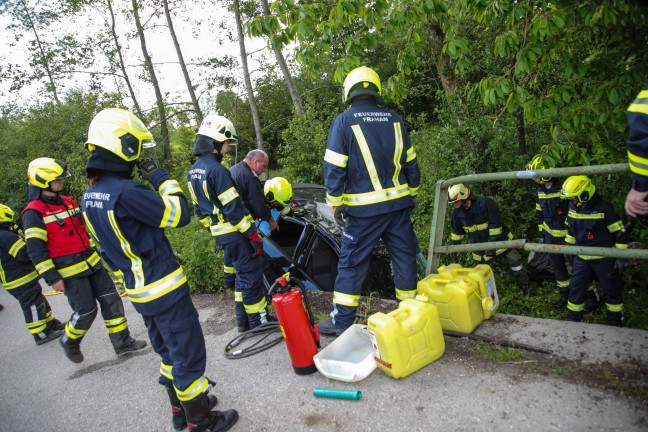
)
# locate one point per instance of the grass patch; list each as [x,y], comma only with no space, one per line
[499,353]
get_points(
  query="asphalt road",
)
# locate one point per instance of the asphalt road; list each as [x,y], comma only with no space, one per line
[43,391]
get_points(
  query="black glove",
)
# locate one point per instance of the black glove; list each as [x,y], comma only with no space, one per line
[491,253]
[256,243]
[340,214]
[151,171]
[620,264]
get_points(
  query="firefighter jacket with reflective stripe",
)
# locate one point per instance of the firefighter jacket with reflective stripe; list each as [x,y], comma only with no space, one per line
[57,241]
[16,269]
[637,144]
[595,225]
[217,202]
[250,189]
[482,222]
[128,221]
[551,210]
[370,164]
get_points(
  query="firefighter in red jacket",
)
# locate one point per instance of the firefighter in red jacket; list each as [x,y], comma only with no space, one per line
[19,277]
[59,247]
[592,221]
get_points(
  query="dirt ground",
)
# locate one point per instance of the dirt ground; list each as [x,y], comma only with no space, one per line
[480,353]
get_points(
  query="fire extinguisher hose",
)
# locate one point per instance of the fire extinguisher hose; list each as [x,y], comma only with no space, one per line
[234,350]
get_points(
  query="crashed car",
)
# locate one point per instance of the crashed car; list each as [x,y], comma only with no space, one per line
[308,244]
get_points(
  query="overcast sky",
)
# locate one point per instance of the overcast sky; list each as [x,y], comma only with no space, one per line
[197,43]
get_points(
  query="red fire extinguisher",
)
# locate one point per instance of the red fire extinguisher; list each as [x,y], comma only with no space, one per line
[296,322]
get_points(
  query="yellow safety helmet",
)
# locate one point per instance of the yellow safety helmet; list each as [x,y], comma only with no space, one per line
[365,77]
[278,189]
[580,187]
[538,164]
[42,171]
[119,132]
[6,214]
[458,192]
[218,128]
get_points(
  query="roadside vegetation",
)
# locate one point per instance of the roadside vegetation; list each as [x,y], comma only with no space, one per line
[483,87]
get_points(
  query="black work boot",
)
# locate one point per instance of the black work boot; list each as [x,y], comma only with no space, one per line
[73,352]
[177,412]
[200,418]
[130,344]
[562,302]
[56,325]
[327,327]
[593,301]
[615,318]
[46,336]
[523,282]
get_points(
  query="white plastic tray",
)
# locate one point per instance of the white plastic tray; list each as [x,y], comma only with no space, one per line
[348,358]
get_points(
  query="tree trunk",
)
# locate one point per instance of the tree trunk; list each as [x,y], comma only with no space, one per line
[183,65]
[521,129]
[248,82]
[43,56]
[122,66]
[158,94]
[442,61]
[290,83]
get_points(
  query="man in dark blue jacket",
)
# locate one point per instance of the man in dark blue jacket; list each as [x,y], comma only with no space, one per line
[246,178]
[480,218]
[371,177]
[218,204]
[128,219]
[637,144]
[19,277]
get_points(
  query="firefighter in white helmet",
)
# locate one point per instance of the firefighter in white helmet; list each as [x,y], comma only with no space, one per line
[480,219]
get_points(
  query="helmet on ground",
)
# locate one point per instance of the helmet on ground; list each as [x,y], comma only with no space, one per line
[538,164]
[580,187]
[119,132]
[218,128]
[458,192]
[278,189]
[361,81]
[6,214]
[42,171]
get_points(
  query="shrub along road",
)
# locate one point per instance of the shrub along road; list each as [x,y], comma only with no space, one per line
[581,376]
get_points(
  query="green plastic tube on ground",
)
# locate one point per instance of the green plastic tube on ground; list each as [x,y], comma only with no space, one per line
[337,393]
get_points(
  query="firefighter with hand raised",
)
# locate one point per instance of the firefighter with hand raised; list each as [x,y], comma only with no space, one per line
[480,218]
[591,221]
[371,177]
[637,202]
[19,277]
[128,219]
[59,247]
[218,204]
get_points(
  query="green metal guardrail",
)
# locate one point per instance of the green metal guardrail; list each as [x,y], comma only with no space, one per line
[441,204]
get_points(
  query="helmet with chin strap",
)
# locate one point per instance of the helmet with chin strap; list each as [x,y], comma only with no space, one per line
[579,187]
[42,171]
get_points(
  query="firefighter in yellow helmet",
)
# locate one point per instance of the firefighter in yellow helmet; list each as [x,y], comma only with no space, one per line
[592,221]
[372,176]
[278,193]
[62,253]
[551,212]
[128,219]
[19,277]
[479,218]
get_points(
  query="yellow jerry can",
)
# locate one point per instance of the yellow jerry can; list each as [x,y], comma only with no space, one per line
[483,275]
[408,338]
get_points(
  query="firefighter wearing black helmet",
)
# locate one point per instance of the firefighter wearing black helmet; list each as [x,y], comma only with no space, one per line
[592,221]
[62,253]
[129,219]
[371,177]
[19,277]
